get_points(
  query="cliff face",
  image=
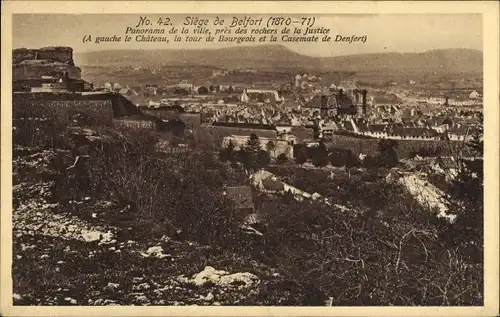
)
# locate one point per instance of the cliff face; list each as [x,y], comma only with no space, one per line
[48,61]
[23,72]
[60,54]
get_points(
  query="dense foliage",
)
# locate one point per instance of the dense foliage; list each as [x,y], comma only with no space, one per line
[369,259]
[466,196]
[170,193]
[251,156]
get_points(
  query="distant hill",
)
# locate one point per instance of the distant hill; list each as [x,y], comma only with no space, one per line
[277,57]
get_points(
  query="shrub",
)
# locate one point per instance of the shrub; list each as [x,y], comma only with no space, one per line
[320,155]
[38,133]
[343,157]
[301,154]
[387,153]
[383,258]
[178,192]
[282,158]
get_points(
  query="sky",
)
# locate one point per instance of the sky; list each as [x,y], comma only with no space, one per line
[384,33]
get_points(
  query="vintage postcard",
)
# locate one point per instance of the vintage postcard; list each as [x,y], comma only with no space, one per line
[249,158]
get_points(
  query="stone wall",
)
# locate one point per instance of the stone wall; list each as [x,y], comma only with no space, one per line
[98,109]
[96,112]
[134,124]
[215,134]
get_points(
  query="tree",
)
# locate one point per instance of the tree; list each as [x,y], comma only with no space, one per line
[320,155]
[231,148]
[282,158]
[351,162]
[251,155]
[181,91]
[387,153]
[240,156]
[466,197]
[270,147]
[338,157]
[203,90]
[316,130]
[262,159]
[371,161]
[311,241]
[175,127]
[190,141]
[352,159]
[253,144]
[300,154]
[248,159]
[228,153]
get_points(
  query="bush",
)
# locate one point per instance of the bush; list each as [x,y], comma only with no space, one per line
[384,258]
[178,192]
[320,155]
[371,162]
[38,133]
[343,157]
[282,158]
[427,151]
[387,153]
[301,154]
[466,198]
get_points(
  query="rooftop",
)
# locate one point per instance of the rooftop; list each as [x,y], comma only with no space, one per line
[241,195]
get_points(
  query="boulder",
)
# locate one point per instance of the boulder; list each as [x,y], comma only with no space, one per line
[154,250]
[224,279]
[209,297]
[141,287]
[209,274]
[111,287]
[244,279]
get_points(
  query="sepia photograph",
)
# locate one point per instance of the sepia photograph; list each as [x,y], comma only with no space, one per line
[237,159]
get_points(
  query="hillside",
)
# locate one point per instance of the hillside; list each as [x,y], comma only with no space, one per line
[279,57]
[161,229]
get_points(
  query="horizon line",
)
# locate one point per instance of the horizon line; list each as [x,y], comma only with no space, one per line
[249,46]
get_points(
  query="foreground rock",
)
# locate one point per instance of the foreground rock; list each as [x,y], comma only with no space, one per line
[37,217]
[224,279]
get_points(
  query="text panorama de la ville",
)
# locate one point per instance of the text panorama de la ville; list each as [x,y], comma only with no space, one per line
[193,29]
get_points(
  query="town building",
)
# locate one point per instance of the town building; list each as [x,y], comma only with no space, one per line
[242,198]
[340,102]
[184,84]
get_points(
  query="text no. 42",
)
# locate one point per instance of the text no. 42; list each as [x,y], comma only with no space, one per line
[162,21]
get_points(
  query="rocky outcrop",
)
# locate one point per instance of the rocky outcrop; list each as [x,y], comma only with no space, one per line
[32,70]
[425,193]
[30,65]
[57,54]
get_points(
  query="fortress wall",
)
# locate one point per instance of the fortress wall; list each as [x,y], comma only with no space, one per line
[99,112]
